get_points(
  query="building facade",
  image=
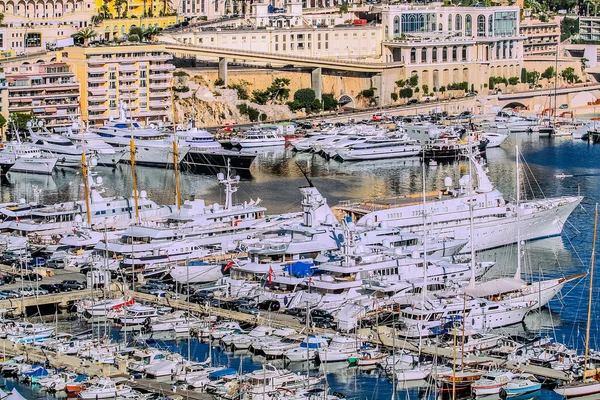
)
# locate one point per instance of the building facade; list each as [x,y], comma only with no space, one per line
[589,28]
[138,75]
[541,38]
[49,91]
[444,45]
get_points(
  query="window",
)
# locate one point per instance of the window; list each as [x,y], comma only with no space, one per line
[417,23]
[424,55]
[454,53]
[434,54]
[413,55]
[458,26]
[468,26]
[481,25]
[397,25]
[464,53]
[444,54]
[450,22]
[505,23]
[490,25]
[113,85]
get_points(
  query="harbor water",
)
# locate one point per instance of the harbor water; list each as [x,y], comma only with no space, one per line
[276,176]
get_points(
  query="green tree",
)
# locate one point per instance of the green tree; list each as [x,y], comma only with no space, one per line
[85,34]
[523,75]
[329,101]
[344,9]
[568,28]
[305,98]
[394,96]
[584,62]
[513,80]
[442,89]
[533,77]
[568,74]
[104,10]
[136,30]
[425,88]
[279,89]
[150,33]
[400,83]
[241,88]
[549,73]
[96,20]
[413,81]
[406,93]
[261,96]
[20,119]
[219,82]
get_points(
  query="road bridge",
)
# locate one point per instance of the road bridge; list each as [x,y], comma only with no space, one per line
[383,75]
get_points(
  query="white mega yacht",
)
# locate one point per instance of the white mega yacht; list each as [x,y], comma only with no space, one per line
[105,154]
[495,219]
[153,146]
[24,157]
[258,138]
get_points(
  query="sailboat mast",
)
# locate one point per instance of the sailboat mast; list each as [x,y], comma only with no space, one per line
[86,187]
[471,217]
[175,155]
[587,328]
[132,159]
[84,172]
[424,290]
[518,273]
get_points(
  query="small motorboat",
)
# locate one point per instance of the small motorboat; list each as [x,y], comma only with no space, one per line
[521,384]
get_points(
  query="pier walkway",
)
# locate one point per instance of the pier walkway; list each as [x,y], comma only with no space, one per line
[148,385]
[382,336]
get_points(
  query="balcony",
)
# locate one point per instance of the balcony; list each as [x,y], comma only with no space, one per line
[98,60]
[156,77]
[160,104]
[129,78]
[128,68]
[151,113]
[98,98]
[98,116]
[162,57]
[96,70]
[128,88]
[160,94]
[97,79]
[162,67]
[96,108]
[98,91]
[161,85]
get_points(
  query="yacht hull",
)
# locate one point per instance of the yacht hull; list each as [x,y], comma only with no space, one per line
[197,274]
[37,165]
[198,159]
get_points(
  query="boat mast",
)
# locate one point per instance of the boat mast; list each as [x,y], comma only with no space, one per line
[518,272]
[132,159]
[86,184]
[471,227]
[176,155]
[587,328]
[424,290]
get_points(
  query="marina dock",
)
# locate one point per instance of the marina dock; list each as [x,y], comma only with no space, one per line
[149,385]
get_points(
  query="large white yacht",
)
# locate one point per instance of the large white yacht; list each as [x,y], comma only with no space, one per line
[108,212]
[152,146]
[54,145]
[105,154]
[258,138]
[197,222]
[495,219]
[23,157]
[380,148]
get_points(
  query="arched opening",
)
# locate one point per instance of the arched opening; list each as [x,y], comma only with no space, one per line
[454,53]
[468,25]
[346,100]
[514,104]
[450,20]
[396,26]
[424,55]
[464,53]
[434,54]
[444,54]
[413,56]
[481,25]
[458,26]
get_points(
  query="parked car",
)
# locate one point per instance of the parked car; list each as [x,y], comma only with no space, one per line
[74,285]
[248,309]
[324,323]
[158,284]
[63,288]
[51,288]
[12,294]
[471,94]
[563,106]
[412,101]
[7,279]
[39,291]
[319,313]
[296,311]
[26,292]
[269,305]
[56,263]
[32,276]
[146,289]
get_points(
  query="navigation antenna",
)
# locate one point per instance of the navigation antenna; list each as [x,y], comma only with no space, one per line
[310,184]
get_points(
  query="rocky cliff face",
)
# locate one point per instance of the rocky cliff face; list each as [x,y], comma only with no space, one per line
[219,106]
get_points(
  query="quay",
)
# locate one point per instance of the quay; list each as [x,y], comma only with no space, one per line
[149,385]
[382,336]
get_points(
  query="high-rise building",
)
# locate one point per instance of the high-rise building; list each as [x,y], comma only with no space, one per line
[138,75]
[48,91]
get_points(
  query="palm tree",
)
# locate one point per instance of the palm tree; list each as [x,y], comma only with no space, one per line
[104,10]
[166,5]
[85,34]
[150,32]
[119,7]
[96,20]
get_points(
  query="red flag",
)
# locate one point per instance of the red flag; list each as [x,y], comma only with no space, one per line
[270,276]
[228,265]
[18,219]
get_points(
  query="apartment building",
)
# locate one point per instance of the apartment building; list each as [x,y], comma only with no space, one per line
[541,37]
[589,28]
[138,75]
[49,91]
